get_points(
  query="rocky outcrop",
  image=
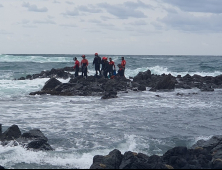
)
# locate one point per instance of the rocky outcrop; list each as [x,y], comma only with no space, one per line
[203,155]
[33,139]
[108,88]
[165,83]
[53,73]
[91,86]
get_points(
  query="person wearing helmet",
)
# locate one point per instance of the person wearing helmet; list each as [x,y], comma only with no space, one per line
[103,65]
[97,62]
[84,65]
[122,67]
[76,67]
[111,67]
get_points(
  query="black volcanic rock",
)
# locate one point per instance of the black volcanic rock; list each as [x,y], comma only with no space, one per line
[100,86]
[51,84]
[11,133]
[202,155]
[33,139]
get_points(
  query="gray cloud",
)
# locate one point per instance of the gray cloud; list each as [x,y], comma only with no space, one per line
[68,25]
[4,32]
[69,2]
[47,21]
[90,9]
[74,12]
[125,10]
[34,8]
[135,5]
[56,2]
[1,5]
[105,18]
[209,6]
[25,21]
[190,23]
[96,21]
[139,22]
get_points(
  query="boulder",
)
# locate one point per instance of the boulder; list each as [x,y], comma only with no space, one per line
[110,161]
[109,95]
[51,84]
[142,76]
[165,83]
[142,88]
[11,133]
[33,139]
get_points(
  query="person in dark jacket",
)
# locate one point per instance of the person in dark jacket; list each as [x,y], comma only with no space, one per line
[105,67]
[97,62]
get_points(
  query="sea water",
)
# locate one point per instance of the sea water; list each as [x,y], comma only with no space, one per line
[79,127]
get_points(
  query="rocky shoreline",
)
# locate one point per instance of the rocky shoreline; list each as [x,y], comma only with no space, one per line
[108,88]
[202,155]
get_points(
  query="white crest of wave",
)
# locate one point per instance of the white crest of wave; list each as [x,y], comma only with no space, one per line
[158,70]
[202,138]
[130,144]
[36,59]
[10,156]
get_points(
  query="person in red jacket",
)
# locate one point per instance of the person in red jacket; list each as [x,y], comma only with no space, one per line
[76,67]
[111,67]
[84,65]
[122,67]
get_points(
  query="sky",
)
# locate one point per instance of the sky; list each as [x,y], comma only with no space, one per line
[115,27]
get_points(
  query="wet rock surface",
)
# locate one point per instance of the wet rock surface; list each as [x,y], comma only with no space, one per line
[202,155]
[31,140]
[108,88]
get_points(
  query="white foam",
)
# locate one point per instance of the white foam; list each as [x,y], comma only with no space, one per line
[36,59]
[10,156]
[202,138]
[158,70]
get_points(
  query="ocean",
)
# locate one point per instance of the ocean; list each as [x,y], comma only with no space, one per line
[79,127]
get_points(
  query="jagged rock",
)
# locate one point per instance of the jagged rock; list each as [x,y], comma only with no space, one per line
[33,139]
[202,155]
[11,133]
[110,161]
[51,84]
[142,88]
[132,160]
[1,167]
[217,164]
[142,76]
[206,88]
[109,95]
[21,78]
[166,83]
[29,77]
[98,85]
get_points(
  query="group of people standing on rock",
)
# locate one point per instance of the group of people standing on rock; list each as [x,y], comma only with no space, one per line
[108,69]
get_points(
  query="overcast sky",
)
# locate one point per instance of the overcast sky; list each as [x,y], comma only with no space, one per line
[119,27]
